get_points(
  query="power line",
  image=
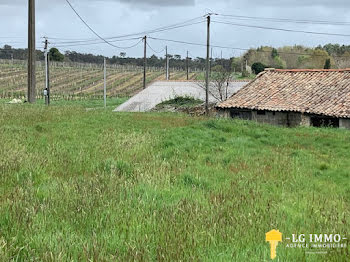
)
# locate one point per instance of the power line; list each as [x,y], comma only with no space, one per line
[229,47]
[160,29]
[11,37]
[92,30]
[190,55]
[11,42]
[286,20]
[157,52]
[93,41]
[121,47]
[97,43]
[281,29]
[196,44]
[156,30]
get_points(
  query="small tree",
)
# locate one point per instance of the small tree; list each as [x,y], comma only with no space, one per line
[274,53]
[327,65]
[258,67]
[219,83]
[122,54]
[55,55]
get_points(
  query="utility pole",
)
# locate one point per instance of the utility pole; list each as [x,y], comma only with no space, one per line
[144,62]
[31,52]
[105,82]
[222,61]
[244,67]
[187,66]
[166,64]
[48,80]
[208,68]
[46,91]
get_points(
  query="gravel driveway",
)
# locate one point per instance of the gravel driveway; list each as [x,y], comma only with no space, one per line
[161,91]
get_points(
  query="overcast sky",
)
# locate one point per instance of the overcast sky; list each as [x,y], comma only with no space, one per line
[109,18]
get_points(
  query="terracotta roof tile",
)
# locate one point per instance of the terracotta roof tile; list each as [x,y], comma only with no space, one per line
[323,92]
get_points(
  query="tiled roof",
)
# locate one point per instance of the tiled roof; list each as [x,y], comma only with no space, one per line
[322,92]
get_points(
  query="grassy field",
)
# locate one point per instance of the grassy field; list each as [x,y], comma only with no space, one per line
[80,185]
[112,103]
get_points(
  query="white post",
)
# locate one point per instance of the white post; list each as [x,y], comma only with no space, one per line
[105,83]
[46,91]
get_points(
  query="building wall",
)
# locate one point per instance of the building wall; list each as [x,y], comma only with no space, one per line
[278,118]
[344,123]
[305,120]
[290,119]
[223,113]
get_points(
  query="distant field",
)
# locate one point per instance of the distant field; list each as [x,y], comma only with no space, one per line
[82,79]
[78,185]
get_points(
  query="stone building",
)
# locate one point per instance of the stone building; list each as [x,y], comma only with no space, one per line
[293,97]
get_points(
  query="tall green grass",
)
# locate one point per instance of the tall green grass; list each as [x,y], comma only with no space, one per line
[112,102]
[81,185]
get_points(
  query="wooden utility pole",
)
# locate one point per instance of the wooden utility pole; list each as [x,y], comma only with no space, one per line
[144,62]
[222,61]
[31,52]
[166,64]
[105,82]
[208,68]
[187,66]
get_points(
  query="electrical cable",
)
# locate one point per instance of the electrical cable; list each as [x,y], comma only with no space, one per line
[85,44]
[92,30]
[157,52]
[227,47]
[280,29]
[286,20]
[94,41]
[91,43]
[156,30]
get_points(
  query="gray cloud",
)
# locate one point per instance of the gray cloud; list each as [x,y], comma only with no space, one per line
[160,2]
[118,17]
[299,3]
[131,2]
[274,3]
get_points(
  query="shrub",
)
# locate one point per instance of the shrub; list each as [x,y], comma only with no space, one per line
[258,67]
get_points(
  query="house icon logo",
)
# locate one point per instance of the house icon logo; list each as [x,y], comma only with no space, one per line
[273,237]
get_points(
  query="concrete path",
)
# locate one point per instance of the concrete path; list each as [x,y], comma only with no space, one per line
[161,91]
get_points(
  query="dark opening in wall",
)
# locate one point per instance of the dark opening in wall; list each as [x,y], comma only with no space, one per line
[319,121]
[261,112]
[246,115]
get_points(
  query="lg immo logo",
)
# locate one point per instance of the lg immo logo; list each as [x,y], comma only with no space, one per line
[311,243]
[273,237]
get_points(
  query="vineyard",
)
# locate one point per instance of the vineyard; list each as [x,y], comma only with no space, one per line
[80,80]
